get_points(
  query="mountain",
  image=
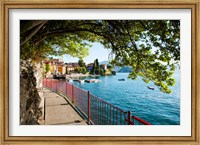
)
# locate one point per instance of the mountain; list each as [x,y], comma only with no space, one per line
[119,69]
[104,62]
[125,69]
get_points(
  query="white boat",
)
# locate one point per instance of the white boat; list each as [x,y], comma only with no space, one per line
[92,80]
[81,81]
[70,81]
[96,81]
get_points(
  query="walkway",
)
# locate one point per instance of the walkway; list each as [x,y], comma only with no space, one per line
[59,112]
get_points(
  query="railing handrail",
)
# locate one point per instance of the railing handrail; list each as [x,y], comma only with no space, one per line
[130,119]
[140,120]
[109,104]
[99,98]
[78,87]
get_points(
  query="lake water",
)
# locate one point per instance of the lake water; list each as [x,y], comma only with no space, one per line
[133,95]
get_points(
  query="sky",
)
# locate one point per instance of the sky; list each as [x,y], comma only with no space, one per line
[97,51]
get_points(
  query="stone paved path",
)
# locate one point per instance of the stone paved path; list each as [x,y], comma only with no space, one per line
[59,112]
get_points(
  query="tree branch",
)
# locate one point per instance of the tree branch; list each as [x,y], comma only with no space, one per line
[25,26]
[56,32]
[37,28]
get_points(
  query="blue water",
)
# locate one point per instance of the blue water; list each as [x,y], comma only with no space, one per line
[133,95]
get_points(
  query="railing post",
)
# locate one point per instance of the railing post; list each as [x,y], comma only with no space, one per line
[51,84]
[66,88]
[47,83]
[129,117]
[88,108]
[44,117]
[72,93]
[56,85]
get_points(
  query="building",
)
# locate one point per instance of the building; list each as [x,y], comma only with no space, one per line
[103,66]
[71,66]
[69,69]
[61,69]
[89,67]
[57,66]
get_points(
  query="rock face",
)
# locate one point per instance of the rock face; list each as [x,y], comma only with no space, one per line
[31,94]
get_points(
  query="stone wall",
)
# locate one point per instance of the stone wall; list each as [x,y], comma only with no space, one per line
[31,94]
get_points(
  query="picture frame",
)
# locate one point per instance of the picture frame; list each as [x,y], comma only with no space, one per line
[61,4]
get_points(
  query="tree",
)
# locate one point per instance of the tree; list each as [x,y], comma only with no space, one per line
[109,67]
[102,72]
[47,68]
[50,58]
[81,63]
[150,47]
[96,68]
[84,70]
[80,70]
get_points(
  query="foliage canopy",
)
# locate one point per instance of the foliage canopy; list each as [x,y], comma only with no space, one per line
[47,68]
[81,63]
[150,47]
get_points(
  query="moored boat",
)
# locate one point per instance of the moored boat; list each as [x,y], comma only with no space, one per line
[92,80]
[121,79]
[81,81]
[151,88]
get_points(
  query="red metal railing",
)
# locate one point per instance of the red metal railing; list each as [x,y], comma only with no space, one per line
[93,109]
[107,113]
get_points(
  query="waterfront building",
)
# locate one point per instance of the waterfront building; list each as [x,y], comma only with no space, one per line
[71,66]
[89,67]
[103,66]
[57,66]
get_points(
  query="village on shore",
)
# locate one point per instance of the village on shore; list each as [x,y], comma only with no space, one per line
[58,69]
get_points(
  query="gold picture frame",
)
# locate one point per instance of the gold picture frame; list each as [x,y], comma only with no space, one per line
[127,4]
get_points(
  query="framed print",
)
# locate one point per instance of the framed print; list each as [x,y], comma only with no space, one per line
[105,72]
